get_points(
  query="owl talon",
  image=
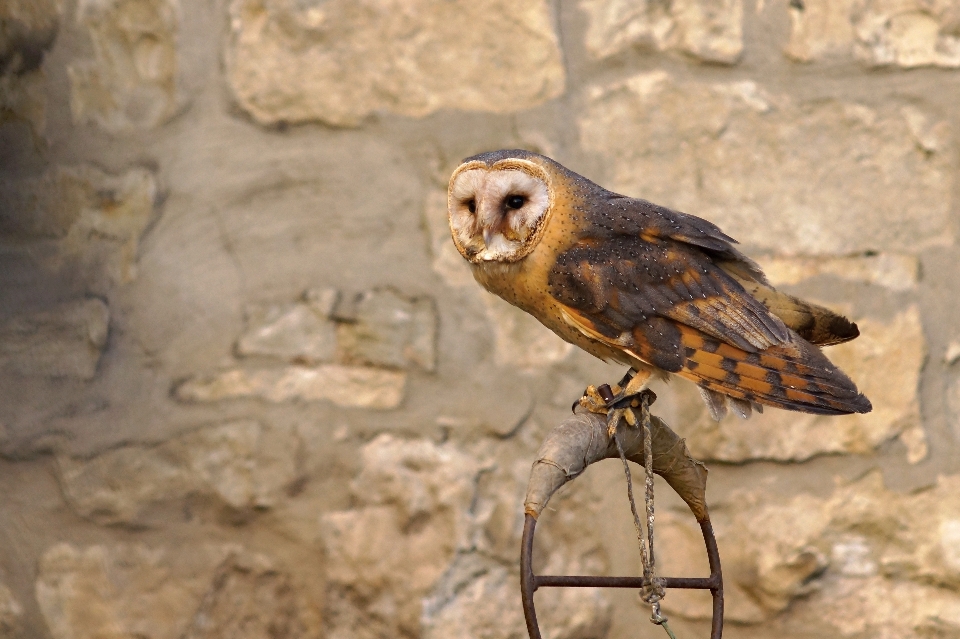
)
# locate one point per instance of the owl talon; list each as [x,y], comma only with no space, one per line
[619,402]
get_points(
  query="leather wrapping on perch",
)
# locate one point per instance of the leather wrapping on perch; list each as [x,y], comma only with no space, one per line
[581,440]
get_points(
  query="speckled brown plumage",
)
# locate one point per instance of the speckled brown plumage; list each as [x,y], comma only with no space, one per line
[658,290]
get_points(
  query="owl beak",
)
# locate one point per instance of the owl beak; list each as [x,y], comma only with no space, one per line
[487,237]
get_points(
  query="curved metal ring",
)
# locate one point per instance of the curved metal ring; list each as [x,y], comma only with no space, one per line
[529,582]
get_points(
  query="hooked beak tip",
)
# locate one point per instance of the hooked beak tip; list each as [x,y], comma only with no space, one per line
[487,237]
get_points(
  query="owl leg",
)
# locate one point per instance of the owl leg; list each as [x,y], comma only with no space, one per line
[620,401]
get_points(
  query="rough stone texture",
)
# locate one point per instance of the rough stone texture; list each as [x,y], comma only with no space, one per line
[242,464]
[128,590]
[248,599]
[885,361]
[255,189]
[907,34]
[895,272]
[477,597]
[295,332]
[844,177]
[11,613]
[29,28]
[385,329]
[96,219]
[131,82]
[842,559]
[521,340]
[342,61]
[65,341]
[711,31]
[385,556]
[350,386]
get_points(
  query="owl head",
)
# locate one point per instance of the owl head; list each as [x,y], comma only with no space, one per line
[498,204]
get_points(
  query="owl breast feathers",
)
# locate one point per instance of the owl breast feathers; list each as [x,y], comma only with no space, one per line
[655,289]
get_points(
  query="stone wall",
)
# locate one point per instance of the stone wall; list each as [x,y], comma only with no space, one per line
[248,388]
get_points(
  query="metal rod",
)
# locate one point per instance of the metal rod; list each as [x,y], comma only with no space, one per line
[587,581]
[530,582]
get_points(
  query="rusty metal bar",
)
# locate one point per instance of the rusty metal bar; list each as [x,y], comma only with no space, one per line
[529,582]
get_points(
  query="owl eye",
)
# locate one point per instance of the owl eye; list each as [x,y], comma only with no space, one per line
[515,201]
[472,206]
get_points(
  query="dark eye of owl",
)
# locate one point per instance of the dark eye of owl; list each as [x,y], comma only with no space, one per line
[515,201]
[472,205]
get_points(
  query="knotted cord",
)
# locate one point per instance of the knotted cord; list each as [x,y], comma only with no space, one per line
[652,591]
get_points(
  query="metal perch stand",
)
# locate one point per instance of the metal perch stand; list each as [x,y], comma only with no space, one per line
[582,440]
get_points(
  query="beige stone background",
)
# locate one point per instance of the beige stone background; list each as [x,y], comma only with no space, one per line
[247,388]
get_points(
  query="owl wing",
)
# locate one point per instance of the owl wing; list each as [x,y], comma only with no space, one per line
[669,289]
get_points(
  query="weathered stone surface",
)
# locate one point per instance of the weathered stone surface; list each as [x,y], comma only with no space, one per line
[841,560]
[711,31]
[96,218]
[341,61]
[124,590]
[477,597]
[11,613]
[823,178]
[65,341]
[388,329]
[300,332]
[28,30]
[909,33]
[250,599]
[885,362]
[952,354]
[522,341]
[243,464]
[895,272]
[386,555]
[131,83]
[349,386]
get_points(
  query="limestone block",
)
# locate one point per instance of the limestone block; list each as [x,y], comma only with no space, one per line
[249,599]
[29,28]
[952,354]
[124,590]
[341,61]
[300,332]
[388,329]
[243,464]
[840,559]
[348,386]
[65,341]
[885,362]
[414,499]
[907,34]
[521,341]
[708,30]
[892,271]
[819,178]
[11,613]
[131,82]
[419,478]
[477,597]
[96,218]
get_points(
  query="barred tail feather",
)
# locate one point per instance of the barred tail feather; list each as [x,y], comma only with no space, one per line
[794,375]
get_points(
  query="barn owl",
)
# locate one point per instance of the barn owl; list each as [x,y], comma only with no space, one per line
[628,281]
